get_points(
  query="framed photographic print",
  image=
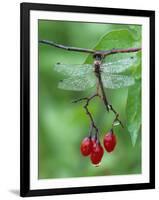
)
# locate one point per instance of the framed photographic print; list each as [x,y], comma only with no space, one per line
[87,99]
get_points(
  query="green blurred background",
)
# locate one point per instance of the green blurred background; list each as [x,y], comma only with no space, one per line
[63,125]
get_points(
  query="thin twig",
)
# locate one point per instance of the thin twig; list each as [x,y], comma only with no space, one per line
[116,116]
[51,43]
[90,130]
[102,52]
[88,99]
[114,51]
[81,99]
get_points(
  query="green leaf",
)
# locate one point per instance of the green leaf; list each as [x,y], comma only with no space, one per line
[136,30]
[133,111]
[116,39]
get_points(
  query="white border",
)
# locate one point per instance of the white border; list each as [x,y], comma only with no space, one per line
[86,181]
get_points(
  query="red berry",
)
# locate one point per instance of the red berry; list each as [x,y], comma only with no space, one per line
[86,146]
[97,153]
[109,141]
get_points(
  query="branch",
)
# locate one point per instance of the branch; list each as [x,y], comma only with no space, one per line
[66,47]
[95,52]
[114,51]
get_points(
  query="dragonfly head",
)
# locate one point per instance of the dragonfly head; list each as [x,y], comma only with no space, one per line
[98,55]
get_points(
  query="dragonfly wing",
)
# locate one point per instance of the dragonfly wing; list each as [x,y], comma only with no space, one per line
[73,69]
[78,83]
[119,65]
[114,81]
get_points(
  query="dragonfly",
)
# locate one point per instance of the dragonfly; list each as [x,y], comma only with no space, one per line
[85,76]
[101,74]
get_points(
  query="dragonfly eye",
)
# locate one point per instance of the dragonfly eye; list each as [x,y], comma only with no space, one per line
[98,55]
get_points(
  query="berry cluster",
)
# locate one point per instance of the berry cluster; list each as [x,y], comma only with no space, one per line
[91,146]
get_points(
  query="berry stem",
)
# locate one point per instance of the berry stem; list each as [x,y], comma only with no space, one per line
[88,99]
[90,131]
[116,116]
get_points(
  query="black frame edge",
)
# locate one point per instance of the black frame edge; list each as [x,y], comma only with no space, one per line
[152,99]
[92,189]
[87,9]
[24,102]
